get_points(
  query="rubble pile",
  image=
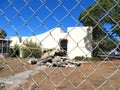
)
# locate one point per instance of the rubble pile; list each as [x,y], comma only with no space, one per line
[58,61]
[55,58]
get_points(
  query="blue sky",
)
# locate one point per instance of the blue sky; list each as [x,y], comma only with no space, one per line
[28,17]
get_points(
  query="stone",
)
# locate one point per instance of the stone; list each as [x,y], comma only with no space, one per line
[56,59]
[49,64]
[49,59]
[45,55]
[54,52]
[32,61]
[54,64]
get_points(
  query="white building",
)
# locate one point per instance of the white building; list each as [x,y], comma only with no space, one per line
[77,40]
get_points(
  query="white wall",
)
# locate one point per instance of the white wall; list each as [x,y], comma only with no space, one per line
[51,39]
[79,41]
[48,39]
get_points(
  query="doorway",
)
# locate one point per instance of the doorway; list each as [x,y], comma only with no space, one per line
[63,44]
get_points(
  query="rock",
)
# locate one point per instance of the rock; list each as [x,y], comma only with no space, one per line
[54,52]
[68,65]
[49,53]
[56,59]
[45,55]
[54,64]
[59,64]
[32,61]
[49,64]
[60,53]
[49,59]
[77,64]
[73,63]
[40,64]
[65,58]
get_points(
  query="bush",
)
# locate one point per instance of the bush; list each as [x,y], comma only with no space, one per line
[79,58]
[14,52]
[86,58]
[31,49]
[95,58]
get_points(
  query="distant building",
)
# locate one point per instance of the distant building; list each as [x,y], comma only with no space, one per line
[4,47]
[76,41]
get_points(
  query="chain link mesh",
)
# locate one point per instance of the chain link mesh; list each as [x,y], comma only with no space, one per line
[31,27]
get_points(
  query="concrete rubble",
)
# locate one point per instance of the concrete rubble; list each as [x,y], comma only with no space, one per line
[55,58]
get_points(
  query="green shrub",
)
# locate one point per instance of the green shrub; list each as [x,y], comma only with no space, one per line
[31,49]
[87,58]
[14,52]
[95,58]
[79,58]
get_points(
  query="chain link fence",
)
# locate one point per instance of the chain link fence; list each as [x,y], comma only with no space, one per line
[59,45]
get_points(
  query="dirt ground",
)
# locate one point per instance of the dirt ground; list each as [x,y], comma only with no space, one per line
[12,66]
[91,75]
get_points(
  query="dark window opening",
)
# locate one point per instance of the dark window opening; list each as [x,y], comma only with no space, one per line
[63,44]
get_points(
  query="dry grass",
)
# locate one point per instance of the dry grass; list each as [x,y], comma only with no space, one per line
[89,76]
[11,66]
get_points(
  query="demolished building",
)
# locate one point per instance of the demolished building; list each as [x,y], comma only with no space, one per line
[77,41]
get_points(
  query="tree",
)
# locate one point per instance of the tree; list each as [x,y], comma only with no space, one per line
[105,11]
[3,34]
[97,15]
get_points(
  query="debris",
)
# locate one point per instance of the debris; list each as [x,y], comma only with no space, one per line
[49,59]
[32,61]
[59,61]
[55,58]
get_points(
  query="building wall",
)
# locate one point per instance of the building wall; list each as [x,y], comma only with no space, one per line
[79,41]
[48,39]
